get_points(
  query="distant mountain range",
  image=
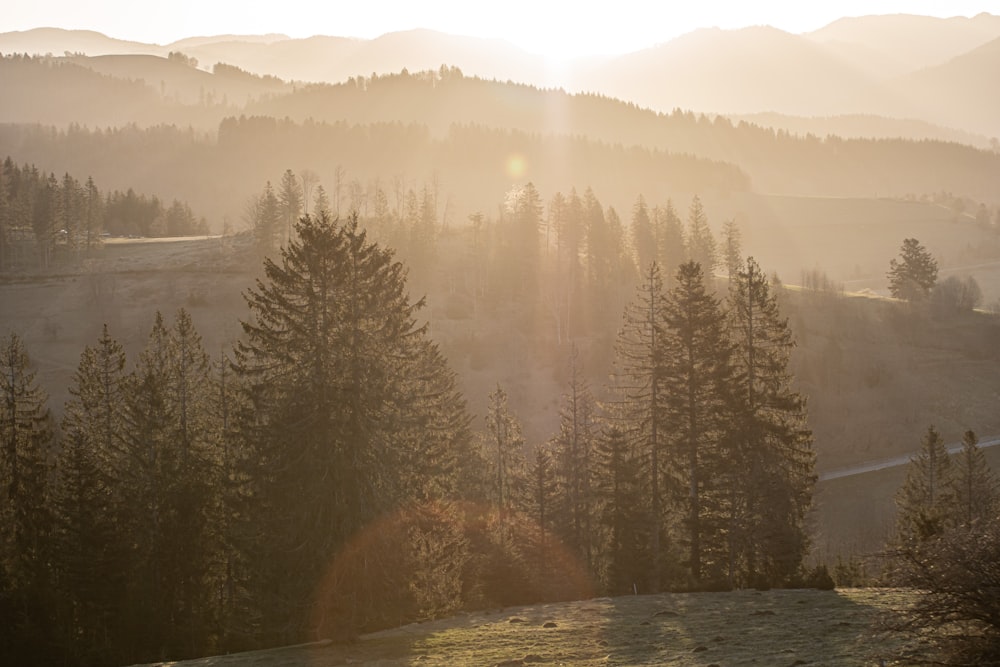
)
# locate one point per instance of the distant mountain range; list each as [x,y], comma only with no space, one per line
[941,72]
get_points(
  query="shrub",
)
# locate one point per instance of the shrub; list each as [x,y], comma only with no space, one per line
[956,614]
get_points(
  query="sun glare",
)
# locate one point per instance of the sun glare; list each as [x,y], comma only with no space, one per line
[516,166]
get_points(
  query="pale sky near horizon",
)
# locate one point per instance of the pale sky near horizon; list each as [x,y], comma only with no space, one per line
[559,29]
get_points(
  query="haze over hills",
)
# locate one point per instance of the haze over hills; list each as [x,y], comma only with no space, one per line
[874,65]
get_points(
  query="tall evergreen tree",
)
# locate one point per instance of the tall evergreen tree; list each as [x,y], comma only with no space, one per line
[290,201]
[505,454]
[670,241]
[771,446]
[338,376]
[620,487]
[643,233]
[640,383]
[574,465]
[700,242]
[25,442]
[698,376]
[912,276]
[89,546]
[925,504]
[976,490]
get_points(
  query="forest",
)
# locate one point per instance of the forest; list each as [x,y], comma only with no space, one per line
[174,479]
[286,361]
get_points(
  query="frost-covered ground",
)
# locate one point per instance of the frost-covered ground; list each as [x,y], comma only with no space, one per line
[769,628]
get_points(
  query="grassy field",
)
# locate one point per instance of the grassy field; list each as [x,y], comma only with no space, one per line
[772,628]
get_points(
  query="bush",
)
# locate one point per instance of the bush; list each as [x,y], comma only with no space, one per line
[955,295]
[820,579]
[955,618]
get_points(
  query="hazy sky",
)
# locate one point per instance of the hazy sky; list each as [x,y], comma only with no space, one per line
[554,28]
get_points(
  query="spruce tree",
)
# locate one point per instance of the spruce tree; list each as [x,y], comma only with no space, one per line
[620,488]
[697,380]
[700,242]
[574,465]
[914,274]
[25,443]
[976,490]
[89,547]
[339,379]
[671,243]
[641,392]
[770,448]
[925,504]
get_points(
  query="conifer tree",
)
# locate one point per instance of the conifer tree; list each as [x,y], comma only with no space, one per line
[925,504]
[700,242]
[640,384]
[626,549]
[643,233]
[89,547]
[505,453]
[25,442]
[574,465]
[912,276]
[290,199]
[338,378]
[771,445]
[670,241]
[976,490]
[697,379]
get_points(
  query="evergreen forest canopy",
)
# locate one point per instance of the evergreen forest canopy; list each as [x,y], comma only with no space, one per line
[301,482]
[56,221]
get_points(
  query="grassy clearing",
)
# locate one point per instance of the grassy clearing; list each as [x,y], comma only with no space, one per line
[780,628]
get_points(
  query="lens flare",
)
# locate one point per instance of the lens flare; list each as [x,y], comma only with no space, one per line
[516,166]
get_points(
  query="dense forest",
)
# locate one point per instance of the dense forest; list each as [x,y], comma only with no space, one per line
[51,220]
[198,491]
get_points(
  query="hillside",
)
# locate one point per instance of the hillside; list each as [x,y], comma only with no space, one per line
[686,630]
[867,65]
[459,131]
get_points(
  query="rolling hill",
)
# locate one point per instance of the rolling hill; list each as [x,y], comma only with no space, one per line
[868,65]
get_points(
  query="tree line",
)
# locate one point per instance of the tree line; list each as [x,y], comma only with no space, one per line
[324,476]
[44,218]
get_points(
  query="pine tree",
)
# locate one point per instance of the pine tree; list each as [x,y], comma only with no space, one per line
[143,510]
[697,379]
[640,383]
[700,242]
[89,551]
[264,217]
[731,249]
[504,450]
[925,504]
[25,442]
[626,551]
[643,233]
[670,241]
[338,379]
[290,200]
[976,490]
[771,446]
[574,465]
[913,275]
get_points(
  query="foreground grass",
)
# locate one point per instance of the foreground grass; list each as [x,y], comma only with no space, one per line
[780,628]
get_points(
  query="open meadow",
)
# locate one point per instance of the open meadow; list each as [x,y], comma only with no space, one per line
[774,628]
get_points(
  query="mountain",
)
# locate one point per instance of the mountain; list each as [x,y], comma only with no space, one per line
[873,65]
[741,71]
[57,41]
[896,44]
[961,92]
